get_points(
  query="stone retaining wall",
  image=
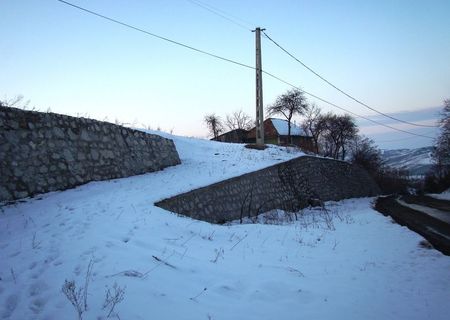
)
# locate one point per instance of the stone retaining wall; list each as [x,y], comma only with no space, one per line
[41,152]
[289,186]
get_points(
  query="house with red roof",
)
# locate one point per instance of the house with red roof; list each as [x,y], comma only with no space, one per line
[275,132]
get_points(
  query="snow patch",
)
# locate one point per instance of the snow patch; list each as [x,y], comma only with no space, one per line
[443,196]
[282,128]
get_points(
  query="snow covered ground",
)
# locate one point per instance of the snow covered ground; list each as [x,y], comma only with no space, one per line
[352,263]
[443,196]
[435,213]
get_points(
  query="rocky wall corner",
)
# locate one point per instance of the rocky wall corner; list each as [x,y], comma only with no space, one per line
[289,186]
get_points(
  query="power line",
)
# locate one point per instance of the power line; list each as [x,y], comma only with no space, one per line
[343,109]
[230,61]
[221,13]
[394,140]
[342,91]
[155,35]
[217,11]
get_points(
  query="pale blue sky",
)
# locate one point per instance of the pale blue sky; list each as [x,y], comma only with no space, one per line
[393,55]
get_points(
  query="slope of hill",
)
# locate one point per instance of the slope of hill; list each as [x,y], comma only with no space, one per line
[417,161]
[349,262]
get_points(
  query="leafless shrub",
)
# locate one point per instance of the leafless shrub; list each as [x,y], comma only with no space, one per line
[78,296]
[75,296]
[209,237]
[198,295]
[327,219]
[35,244]
[113,297]
[137,274]
[16,102]
[161,261]
[296,271]
[87,279]
[129,273]
[13,275]
[219,254]
[239,241]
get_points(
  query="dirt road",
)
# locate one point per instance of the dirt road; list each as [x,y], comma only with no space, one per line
[425,215]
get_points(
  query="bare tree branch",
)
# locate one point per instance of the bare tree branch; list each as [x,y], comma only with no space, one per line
[214,124]
[291,103]
[239,120]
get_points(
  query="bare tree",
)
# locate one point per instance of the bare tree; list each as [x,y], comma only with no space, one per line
[289,104]
[348,130]
[239,120]
[214,124]
[314,124]
[441,152]
[443,142]
[366,154]
[340,131]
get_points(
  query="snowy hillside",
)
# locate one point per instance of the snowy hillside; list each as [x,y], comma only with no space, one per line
[416,161]
[349,263]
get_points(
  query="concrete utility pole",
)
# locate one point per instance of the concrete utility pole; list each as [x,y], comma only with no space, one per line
[259,91]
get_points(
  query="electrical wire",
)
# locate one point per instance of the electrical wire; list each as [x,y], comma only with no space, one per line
[221,13]
[394,140]
[342,91]
[233,62]
[217,11]
[155,35]
[343,109]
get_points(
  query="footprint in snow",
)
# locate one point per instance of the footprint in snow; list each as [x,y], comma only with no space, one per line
[35,275]
[77,270]
[58,262]
[109,244]
[14,254]
[37,288]
[37,305]
[10,305]
[51,257]
[89,252]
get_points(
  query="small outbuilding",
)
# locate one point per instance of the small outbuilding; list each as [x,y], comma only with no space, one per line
[235,136]
[275,132]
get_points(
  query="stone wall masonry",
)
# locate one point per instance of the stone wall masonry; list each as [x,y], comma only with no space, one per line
[41,152]
[289,186]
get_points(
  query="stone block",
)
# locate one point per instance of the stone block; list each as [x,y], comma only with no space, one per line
[67,154]
[85,135]
[58,133]
[20,194]
[5,195]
